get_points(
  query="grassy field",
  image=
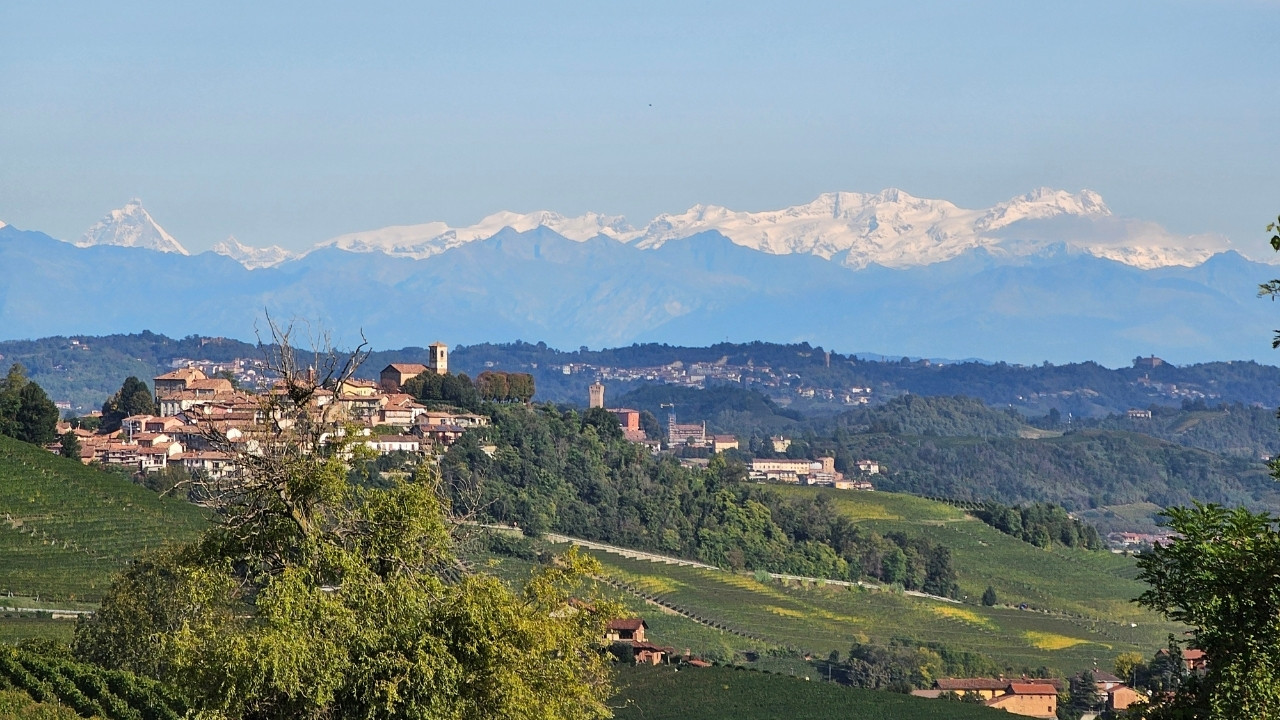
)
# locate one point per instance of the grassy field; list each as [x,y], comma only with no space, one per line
[719,693]
[66,529]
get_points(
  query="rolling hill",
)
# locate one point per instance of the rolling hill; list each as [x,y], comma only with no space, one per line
[66,529]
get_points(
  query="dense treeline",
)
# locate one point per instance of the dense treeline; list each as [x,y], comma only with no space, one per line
[1040,524]
[573,473]
[1084,389]
[87,372]
[904,665]
[1078,470]
[447,389]
[726,408]
[943,416]
[505,387]
[1235,429]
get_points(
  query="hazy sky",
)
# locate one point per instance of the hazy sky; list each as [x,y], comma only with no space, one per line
[293,122]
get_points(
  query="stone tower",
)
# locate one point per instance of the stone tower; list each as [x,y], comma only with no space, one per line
[438,358]
[596,395]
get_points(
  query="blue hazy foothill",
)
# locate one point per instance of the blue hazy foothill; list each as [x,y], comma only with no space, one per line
[1055,305]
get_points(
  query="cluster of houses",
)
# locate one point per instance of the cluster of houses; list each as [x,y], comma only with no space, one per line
[694,435]
[193,408]
[700,374]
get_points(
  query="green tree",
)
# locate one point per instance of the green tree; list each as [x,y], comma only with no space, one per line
[10,400]
[36,421]
[1128,665]
[989,596]
[316,598]
[134,398]
[70,445]
[1221,576]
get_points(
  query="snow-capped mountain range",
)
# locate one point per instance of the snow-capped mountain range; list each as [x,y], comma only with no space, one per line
[890,228]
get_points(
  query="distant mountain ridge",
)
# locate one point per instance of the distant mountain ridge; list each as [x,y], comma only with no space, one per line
[890,228]
[1058,303]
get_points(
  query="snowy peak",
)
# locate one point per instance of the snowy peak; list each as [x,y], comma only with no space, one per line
[897,229]
[252,257]
[423,241]
[131,226]
[1041,204]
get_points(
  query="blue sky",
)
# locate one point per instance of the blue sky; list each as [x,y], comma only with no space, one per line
[296,122]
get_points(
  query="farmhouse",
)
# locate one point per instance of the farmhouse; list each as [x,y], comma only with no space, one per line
[629,630]
[1038,700]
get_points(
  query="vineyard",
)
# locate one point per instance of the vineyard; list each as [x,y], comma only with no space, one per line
[90,691]
[816,618]
[66,529]
[1063,580]
[721,693]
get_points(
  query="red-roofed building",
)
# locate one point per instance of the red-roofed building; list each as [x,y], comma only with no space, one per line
[1038,700]
[628,630]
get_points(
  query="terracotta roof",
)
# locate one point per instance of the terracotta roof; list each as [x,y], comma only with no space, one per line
[1192,654]
[1028,688]
[957,684]
[182,374]
[415,368]
[627,624]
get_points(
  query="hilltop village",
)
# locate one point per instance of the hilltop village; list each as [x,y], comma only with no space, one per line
[192,406]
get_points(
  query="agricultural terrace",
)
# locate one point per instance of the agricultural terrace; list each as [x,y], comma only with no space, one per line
[66,529]
[721,693]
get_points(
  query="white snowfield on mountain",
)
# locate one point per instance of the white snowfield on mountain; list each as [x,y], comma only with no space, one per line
[890,228]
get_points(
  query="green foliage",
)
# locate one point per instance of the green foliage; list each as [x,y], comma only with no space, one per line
[933,416]
[505,387]
[26,412]
[69,446]
[314,597]
[48,676]
[989,598]
[18,705]
[1079,470]
[1221,575]
[133,398]
[447,389]
[1040,524]
[574,473]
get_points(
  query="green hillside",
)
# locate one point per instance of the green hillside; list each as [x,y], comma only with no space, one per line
[1078,602]
[719,693]
[66,529]
[1066,580]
